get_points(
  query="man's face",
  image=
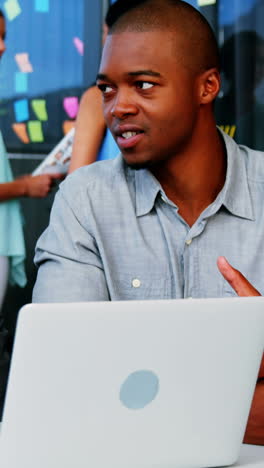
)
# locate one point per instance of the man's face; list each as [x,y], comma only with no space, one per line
[149,97]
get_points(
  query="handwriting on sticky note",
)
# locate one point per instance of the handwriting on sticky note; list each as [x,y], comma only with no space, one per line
[39,107]
[71,106]
[12,9]
[42,6]
[21,110]
[21,82]
[79,45]
[21,131]
[35,131]
[23,62]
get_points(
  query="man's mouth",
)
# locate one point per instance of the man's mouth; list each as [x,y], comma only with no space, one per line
[129,139]
[128,135]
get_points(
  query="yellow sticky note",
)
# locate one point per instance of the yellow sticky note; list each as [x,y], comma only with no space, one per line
[39,107]
[206,2]
[35,131]
[12,9]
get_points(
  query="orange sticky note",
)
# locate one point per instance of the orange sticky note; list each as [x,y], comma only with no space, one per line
[67,126]
[21,131]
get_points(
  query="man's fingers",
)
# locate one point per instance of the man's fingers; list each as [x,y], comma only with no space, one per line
[58,175]
[236,280]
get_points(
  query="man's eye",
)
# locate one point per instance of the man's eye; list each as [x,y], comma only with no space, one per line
[105,88]
[144,85]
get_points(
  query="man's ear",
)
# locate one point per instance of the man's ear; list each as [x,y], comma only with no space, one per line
[209,85]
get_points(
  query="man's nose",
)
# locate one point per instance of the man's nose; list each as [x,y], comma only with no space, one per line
[123,106]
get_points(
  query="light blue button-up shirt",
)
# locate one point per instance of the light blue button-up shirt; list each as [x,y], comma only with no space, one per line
[114,235]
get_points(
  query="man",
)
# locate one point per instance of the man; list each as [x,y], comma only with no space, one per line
[152,223]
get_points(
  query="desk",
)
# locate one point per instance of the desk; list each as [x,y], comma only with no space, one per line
[252,456]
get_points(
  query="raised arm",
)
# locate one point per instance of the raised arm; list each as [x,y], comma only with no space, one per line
[90,129]
[27,186]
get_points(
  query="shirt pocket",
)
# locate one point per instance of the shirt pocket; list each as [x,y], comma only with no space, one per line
[141,288]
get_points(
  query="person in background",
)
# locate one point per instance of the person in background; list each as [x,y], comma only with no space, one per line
[161,219]
[12,248]
[92,140]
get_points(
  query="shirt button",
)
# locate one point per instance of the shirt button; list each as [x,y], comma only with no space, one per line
[188,242]
[136,283]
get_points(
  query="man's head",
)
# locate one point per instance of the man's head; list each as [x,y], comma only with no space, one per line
[199,47]
[160,64]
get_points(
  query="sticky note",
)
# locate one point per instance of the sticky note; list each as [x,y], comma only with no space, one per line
[21,110]
[12,9]
[35,131]
[23,62]
[42,6]
[39,107]
[21,131]
[79,45]
[21,82]
[67,126]
[71,106]
[206,2]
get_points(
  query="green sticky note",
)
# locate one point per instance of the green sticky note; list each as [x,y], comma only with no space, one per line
[12,9]
[39,107]
[35,131]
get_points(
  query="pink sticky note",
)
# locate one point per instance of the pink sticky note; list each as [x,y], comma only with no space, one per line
[71,106]
[79,45]
[23,62]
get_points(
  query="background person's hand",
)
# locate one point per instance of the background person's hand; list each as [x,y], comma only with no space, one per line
[236,280]
[40,185]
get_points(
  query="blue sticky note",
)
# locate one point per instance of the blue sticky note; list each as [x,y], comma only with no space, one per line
[42,6]
[21,82]
[21,110]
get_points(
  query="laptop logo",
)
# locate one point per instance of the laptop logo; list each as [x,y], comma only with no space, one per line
[139,389]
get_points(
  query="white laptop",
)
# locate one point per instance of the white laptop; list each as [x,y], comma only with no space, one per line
[149,384]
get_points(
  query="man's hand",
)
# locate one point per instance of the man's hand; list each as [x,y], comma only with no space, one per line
[40,185]
[255,426]
[236,280]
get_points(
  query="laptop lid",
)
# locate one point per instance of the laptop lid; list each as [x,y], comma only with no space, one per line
[132,384]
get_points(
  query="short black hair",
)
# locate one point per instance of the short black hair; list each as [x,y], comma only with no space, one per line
[199,47]
[2,14]
[118,8]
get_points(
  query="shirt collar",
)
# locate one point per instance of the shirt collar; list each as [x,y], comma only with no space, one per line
[147,189]
[234,196]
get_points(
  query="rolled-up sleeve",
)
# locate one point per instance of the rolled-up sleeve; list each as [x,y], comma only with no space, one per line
[69,264]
